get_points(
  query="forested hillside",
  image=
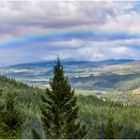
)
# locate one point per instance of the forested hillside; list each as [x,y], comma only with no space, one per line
[93,111]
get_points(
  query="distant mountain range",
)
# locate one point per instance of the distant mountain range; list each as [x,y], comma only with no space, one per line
[113,74]
[71,62]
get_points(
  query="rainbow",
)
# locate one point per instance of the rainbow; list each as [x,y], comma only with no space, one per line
[68,35]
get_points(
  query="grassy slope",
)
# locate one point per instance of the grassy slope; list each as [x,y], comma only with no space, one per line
[118,77]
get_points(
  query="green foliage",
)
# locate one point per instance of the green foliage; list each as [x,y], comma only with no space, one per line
[59,108]
[0,92]
[10,119]
[95,112]
[110,131]
[92,111]
[35,134]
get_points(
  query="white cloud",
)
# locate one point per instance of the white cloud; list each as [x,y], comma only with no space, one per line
[120,50]
[39,16]
[35,17]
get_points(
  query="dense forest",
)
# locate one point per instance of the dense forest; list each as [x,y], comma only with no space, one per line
[92,117]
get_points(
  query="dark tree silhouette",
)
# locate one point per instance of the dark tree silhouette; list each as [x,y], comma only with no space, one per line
[10,120]
[59,108]
[110,131]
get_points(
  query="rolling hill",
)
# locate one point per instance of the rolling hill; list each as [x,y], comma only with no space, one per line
[107,75]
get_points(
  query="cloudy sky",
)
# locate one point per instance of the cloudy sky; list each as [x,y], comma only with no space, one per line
[40,30]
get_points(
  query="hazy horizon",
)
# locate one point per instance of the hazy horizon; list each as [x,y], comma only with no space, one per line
[67,60]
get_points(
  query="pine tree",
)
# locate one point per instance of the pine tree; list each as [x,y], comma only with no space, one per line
[0,92]
[35,135]
[10,121]
[59,109]
[109,130]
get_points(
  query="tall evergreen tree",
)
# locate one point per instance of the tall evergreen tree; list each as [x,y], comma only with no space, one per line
[109,130]
[59,108]
[0,91]
[35,135]
[10,121]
